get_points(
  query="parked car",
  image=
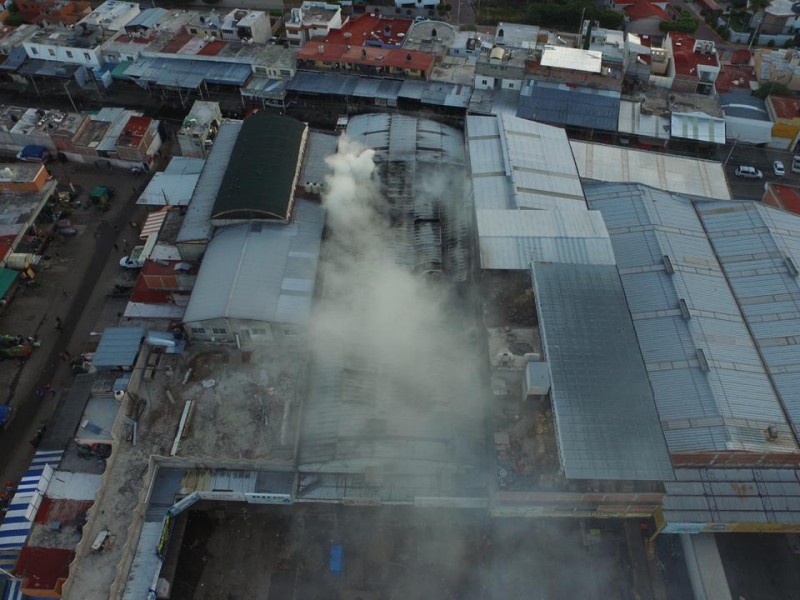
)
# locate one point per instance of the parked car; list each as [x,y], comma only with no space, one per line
[778,168]
[748,172]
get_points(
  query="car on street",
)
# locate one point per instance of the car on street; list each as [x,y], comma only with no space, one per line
[778,168]
[748,172]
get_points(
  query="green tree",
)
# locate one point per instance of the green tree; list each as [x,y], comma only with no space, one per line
[772,89]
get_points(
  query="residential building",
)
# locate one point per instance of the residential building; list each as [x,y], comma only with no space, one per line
[366,60]
[645,17]
[199,129]
[786,197]
[778,66]
[53,12]
[237,25]
[137,139]
[12,38]
[79,46]
[696,63]
[112,15]
[310,20]
[746,118]
[778,18]
[23,177]
[785,115]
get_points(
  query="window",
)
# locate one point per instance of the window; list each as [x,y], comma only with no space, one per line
[219,330]
[259,332]
[286,73]
[69,53]
[193,31]
[51,51]
[86,56]
[34,50]
[198,330]
[484,81]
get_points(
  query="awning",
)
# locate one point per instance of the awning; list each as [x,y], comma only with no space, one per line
[118,347]
[7,279]
[153,223]
[165,340]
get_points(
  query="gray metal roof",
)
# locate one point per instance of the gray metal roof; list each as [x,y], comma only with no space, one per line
[319,146]
[118,347]
[188,74]
[260,271]
[710,385]
[175,185]
[605,416]
[576,107]
[745,106]
[312,82]
[196,224]
[511,239]
[61,429]
[721,496]
[386,89]
[516,163]
[147,18]
[759,249]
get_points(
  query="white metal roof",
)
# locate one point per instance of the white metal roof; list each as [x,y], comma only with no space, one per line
[260,271]
[709,382]
[759,249]
[698,126]
[632,120]
[662,171]
[511,239]
[531,162]
[574,59]
[175,185]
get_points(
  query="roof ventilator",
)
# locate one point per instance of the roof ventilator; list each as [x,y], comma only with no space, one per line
[772,433]
[791,266]
[684,309]
[701,357]
[668,264]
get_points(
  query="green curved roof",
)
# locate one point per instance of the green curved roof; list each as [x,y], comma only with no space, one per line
[260,174]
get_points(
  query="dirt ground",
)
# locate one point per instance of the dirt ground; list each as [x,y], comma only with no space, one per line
[74,278]
[236,551]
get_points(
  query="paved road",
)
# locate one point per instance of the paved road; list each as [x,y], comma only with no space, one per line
[762,159]
[71,290]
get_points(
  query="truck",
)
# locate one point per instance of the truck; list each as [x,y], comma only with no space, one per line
[33,153]
[100,197]
[139,255]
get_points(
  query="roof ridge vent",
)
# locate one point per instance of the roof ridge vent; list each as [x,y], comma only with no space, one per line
[684,309]
[791,266]
[668,264]
[701,356]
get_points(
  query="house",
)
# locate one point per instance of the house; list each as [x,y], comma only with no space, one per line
[78,46]
[778,18]
[53,12]
[199,129]
[746,118]
[310,20]
[696,64]
[234,26]
[112,15]
[785,114]
[778,66]
[138,138]
[645,17]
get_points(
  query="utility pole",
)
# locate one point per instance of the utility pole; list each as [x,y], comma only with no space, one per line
[725,164]
[71,101]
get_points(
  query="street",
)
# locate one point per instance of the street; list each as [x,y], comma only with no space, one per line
[762,159]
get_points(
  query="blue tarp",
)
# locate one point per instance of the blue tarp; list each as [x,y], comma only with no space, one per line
[337,559]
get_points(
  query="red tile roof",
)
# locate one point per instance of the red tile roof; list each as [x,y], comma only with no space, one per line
[785,108]
[686,59]
[387,57]
[42,568]
[134,131]
[787,196]
[315,50]
[644,9]
[176,43]
[212,48]
[741,57]
[366,27]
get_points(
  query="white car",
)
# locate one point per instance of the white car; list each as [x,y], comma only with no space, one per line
[748,172]
[778,169]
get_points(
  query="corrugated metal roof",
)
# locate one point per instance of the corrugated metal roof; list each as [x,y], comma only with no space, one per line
[260,271]
[605,416]
[312,82]
[320,146]
[196,224]
[759,249]
[386,89]
[560,104]
[709,382]
[118,347]
[511,239]
[727,496]
[145,562]
[147,18]
[188,74]
[516,163]
[698,127]
[662,171]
